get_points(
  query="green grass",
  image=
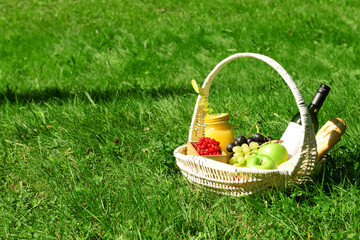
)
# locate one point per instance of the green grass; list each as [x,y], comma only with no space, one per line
[77,75]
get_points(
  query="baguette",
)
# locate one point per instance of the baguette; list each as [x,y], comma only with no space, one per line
[329,135]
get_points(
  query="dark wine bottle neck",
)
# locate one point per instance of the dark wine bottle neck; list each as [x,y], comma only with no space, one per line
[313,108]
[319,98]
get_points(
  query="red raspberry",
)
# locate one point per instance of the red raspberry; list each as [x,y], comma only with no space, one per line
[208,146]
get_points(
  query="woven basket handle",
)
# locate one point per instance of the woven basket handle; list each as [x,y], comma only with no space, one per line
[197,129]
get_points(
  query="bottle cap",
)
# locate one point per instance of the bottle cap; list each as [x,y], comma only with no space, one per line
[216,118]
[324,88]
[320,95]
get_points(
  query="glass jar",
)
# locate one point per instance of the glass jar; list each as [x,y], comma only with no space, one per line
[217,126]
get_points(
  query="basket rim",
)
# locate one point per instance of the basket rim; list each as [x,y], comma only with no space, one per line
[210,163]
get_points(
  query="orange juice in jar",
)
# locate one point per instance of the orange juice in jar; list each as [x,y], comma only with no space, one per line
[217,126]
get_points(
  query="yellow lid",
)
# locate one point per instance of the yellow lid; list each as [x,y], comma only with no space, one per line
[216,118]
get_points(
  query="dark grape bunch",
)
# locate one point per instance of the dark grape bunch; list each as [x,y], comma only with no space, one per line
[239,141]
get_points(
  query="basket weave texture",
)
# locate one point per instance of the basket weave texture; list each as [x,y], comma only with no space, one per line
[237,181]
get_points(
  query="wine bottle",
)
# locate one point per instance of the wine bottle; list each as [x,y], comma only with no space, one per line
[314,106]
[291,136]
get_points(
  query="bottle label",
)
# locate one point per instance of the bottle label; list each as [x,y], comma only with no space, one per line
[291,138]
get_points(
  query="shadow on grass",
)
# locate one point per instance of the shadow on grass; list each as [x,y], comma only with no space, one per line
[342,165]
[342,168]
[56,94]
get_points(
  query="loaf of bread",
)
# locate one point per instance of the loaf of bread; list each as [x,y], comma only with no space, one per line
[329,135]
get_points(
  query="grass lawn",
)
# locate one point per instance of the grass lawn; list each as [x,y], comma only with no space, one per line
[96,95]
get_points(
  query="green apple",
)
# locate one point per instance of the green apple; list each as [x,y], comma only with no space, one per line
[262,162]
[274,150]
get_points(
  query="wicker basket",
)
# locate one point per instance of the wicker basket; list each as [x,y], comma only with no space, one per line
[237,181]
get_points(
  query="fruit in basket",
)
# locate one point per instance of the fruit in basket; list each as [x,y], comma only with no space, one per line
[241,154]
[233,160]
[240,140]
[230,147]
[253,145]
[237,149]
[275,151]
[246,149]
[238,154]
[250,140]
[248,156]
[258,137]
[208,146]
[261,162]
[242,161]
